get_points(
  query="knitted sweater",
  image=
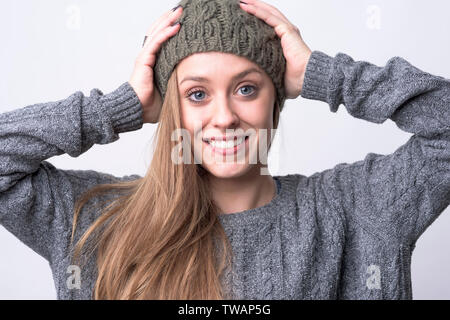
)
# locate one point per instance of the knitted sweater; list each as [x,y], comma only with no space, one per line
[344,233]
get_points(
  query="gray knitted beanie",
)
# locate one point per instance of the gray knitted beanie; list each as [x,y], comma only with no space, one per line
[221,25]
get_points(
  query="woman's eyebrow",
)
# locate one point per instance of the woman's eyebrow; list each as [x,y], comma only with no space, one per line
[238,76]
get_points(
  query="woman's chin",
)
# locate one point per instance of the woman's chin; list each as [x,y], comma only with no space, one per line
[227,170]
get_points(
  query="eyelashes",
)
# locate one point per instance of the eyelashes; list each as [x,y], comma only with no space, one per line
[197,90]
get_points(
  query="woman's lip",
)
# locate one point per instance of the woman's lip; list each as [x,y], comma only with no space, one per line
[220,139]
[227,150]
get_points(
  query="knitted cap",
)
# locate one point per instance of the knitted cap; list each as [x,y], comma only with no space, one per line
[221,25]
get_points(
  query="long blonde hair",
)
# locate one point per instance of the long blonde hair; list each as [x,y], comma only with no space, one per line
[158,238]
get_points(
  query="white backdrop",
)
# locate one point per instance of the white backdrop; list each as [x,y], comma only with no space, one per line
[50,49]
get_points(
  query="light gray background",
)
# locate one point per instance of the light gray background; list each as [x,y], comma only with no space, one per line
[50,49]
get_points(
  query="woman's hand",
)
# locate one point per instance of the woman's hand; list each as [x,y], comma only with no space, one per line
[142,76]
[295,50]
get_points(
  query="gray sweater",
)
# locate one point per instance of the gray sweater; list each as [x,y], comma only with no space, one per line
[344,233]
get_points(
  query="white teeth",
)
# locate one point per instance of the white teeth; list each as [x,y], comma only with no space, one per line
[226,144]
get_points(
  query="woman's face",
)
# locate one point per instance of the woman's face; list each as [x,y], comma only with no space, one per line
[226,96]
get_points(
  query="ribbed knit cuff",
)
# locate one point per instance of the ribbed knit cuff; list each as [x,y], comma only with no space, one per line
[124,108]
[317,75]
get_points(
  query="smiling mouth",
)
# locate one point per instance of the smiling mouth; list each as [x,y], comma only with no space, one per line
[227,147]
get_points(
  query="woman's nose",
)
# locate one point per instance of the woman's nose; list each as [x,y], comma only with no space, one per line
[224,115]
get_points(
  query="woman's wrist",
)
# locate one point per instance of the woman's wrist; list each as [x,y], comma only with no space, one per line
[305,63]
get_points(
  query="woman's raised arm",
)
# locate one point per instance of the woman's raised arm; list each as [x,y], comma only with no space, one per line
[35,197]
[396,196]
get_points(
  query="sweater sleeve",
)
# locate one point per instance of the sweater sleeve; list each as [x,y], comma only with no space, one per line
[400,194]
[36,199]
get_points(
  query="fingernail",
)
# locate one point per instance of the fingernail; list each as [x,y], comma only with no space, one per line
[243,2]
[176,7]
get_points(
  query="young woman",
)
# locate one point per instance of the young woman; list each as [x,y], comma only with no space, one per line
[225,229]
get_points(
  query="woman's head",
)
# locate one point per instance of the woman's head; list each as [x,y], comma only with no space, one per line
[218,40]
[222,94]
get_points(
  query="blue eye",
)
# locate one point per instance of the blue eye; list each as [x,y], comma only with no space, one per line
[195,93]
[247,87]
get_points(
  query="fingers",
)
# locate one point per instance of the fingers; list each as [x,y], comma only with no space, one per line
[267,7]
[160,32]
[148,53]
[270,15]
[165,20]
[160,20]
[261,13]
[152,28]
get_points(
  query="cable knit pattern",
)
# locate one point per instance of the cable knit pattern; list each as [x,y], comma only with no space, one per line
[347,232]
[221,25]
[267,261]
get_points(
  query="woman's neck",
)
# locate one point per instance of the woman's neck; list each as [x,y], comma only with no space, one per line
[245,192]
